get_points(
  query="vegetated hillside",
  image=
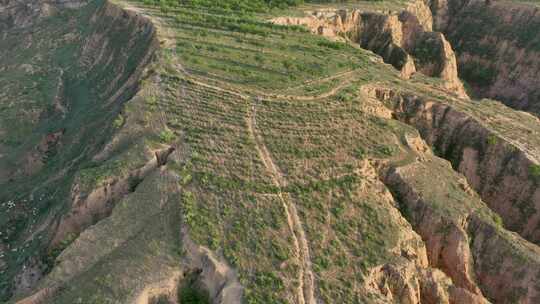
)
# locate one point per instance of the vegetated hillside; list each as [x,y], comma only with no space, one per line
[498,43]
[255,162]
[65,74]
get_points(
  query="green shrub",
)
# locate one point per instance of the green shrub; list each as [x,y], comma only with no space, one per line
[478,73]
[331,44]
[492,140]
[534,170]
[498,220]
[119,121]
[191,295]
[360,153]
[166,136]
[387,150]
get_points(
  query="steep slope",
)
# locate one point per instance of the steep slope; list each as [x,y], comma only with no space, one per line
[18,14]
[498,47]
[461,236]
[62,89]
[499,161]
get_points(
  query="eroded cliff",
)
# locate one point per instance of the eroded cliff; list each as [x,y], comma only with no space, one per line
[403,39]
[461,235]
[497,162]
[498,47]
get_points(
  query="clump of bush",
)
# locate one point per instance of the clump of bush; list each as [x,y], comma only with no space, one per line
[492,140]
[534,170]
[166,136]
[331,44]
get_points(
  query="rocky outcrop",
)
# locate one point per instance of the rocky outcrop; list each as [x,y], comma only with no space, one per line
[498,47]
[461,236]
[407,283]
[383,34]
[422,12]
[214,274]
[452,257]
[499,170]
[403,39]
[434,57]
[407,276]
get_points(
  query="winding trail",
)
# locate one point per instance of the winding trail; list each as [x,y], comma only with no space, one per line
[221,86]
[324,79]
[306,289]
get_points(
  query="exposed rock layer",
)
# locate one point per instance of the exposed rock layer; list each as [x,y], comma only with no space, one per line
[498,170]
[409,277]
[461,237]
[404,39]
[498,47]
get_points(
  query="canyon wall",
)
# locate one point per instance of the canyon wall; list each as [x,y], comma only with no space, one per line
[446,202]
[403,39]
[498,48]
[462,238]
[501,171]
[497,44]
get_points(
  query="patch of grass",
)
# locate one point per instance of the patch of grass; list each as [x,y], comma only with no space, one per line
[166,136]
[192,295]
[534,171]
[240,47]
[492,140]
[332,44]
[387,150]
[55,252]
[119,121]
[498,220]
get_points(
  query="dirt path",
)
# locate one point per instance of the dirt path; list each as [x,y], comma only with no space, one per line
[332,92]
[220,85]
[324,79]
[306,290]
